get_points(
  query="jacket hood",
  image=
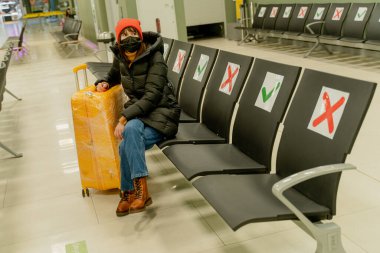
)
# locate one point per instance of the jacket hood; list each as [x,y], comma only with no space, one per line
[153,42]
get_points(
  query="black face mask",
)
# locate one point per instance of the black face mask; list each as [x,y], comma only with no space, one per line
[130,44]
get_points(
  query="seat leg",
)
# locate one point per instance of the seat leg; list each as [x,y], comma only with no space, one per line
[317,43]
[327,235]
[16,155]
[13,95]
[325,48]
[244,39]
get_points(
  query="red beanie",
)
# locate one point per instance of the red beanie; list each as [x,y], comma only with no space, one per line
[124,23]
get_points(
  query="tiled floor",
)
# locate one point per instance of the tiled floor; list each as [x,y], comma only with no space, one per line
[41,207]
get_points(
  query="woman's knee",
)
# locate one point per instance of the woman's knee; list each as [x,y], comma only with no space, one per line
[134,126]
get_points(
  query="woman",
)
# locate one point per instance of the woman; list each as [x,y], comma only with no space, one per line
[151,113]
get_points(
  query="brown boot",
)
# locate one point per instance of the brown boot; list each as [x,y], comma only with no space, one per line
[142,198]
[127,198]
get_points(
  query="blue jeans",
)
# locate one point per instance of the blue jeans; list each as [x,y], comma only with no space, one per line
[137,138]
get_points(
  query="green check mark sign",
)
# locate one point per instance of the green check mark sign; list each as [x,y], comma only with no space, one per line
[319,13]
[266,96]
[200,68]
[361,14]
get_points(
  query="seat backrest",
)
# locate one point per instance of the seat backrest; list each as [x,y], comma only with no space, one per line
[373,27]
[260,15]
[3,70]
[335,19]
[76,29]
[271,16]
[167,47]
[177,62]
[223,90]
[67,25]
[195,78]
[261,108]
[300,14]
[317,13]
[286,12]
[356,20]
[21,37]
[320,128]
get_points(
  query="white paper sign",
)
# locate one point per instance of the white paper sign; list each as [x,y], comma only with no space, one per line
[179,60]
[274,12]
[201,67]
[269,91]
[319,13]
[166,51]
[262,12]
[328,112]
[338,13]
[287,12]
[302,12]
[229,78]
[360,15]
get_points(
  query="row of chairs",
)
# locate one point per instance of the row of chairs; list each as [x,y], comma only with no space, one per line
[346,24]
[4,64]
[233,108]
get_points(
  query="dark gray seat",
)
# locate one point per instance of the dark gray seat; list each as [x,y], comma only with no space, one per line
[222,92]
[260,111]
[315,20]
[298,20]
[99,69]
[312,136]
[70,31]
[373,27]
[177,61]
[283,19]
[271,17]
[194,82]
[332,28]
[167,47]
[356,21]
[258,21]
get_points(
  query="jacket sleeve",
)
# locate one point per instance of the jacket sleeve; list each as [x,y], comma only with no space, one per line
[154,86]
[113,76]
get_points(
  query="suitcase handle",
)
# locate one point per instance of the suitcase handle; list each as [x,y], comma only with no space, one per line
[76,70]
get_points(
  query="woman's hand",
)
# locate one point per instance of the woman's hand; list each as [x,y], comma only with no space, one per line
[119,131]
[102,87]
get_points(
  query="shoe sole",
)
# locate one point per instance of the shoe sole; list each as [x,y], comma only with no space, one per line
[122,214]
[148,202]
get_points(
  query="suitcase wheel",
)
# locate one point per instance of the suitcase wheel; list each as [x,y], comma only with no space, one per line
[85,192]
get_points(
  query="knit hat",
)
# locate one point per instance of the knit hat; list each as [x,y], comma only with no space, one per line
[126,22]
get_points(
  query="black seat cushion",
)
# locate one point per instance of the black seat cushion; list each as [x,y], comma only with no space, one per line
[242,199]
[211,159]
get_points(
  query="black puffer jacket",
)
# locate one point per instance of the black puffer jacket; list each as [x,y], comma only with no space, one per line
[145,82]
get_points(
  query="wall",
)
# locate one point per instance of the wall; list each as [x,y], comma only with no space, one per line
[85,14]
[101,15]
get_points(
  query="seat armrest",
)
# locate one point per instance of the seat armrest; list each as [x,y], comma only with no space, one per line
[66,36]
[308,26]
[328,236]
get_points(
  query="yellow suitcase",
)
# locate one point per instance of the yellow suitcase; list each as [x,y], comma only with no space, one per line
[95,115]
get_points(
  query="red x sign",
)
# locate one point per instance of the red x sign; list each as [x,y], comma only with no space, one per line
[229,78]
[328,111]
[302,12]
[179,60]
[338,13]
